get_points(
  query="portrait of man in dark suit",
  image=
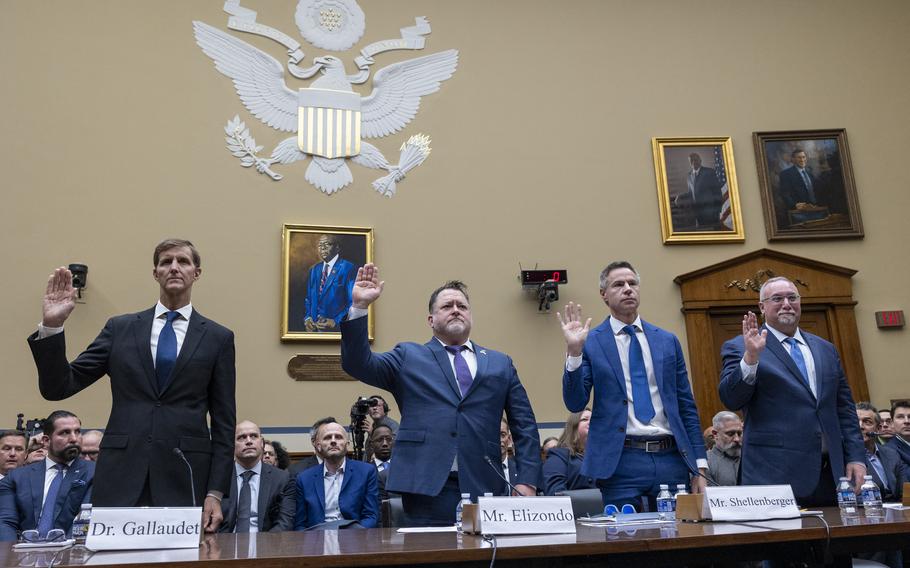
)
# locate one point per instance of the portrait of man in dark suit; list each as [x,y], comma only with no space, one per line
[695,185]
[172,378]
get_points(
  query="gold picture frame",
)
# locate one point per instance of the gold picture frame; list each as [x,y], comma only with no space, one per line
[315,297]
[697,204]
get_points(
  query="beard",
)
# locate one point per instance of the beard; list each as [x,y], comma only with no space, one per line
[732,452]
[70,453]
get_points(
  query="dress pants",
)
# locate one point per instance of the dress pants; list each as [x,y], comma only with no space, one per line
[432,511]
[638,476]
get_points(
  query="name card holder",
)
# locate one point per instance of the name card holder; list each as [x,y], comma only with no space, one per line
[739,503]
[906,499]
[137,528]
[691,507]
[519,515]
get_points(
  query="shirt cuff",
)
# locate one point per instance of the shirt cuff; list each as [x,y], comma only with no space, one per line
[748,371]
[701,463]
[356,313]
[45,331]
[573,362]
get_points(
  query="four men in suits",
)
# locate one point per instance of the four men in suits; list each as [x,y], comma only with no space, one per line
[341,493]
[328,294]
[644,428]
[781,370]
[263,497]
[47,494]
[171,371]
[451,393]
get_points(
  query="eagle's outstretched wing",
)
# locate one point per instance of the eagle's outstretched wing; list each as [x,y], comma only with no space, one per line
[257,76]
[397,90]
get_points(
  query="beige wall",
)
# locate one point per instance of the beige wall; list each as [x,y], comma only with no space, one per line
[112,139]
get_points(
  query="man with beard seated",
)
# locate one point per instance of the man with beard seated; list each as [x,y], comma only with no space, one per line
[724,457]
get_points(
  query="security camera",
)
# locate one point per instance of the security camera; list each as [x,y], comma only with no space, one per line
[80,277]
[547,292]
[543,285]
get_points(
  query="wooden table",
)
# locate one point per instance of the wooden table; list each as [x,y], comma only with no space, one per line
[703,543]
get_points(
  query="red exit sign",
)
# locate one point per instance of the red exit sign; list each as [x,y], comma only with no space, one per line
[890,318]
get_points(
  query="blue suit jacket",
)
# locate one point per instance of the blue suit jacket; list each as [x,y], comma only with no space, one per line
[562,472]
[601,369]
[358,501]
[22,491]
[895,473]
[437,423]
[783,421]
[335,299]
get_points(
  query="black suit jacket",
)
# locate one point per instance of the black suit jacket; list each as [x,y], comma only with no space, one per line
[276,505]
[708,198]
[793,188]
[22,491]
[895,473]
[146,425]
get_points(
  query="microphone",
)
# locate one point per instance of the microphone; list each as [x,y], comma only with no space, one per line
[188,467]
[498,470]
[706,478]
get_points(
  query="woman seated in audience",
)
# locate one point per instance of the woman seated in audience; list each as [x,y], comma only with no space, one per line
[548,445]
[562,470]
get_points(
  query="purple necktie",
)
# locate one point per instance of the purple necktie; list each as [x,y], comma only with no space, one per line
[462,371]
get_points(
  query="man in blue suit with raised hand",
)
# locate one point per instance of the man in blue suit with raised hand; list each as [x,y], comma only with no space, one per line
[644,427]
[779,370]
[452,394]
[47,494]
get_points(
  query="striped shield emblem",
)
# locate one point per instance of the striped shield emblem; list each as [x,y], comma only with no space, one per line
[328,122]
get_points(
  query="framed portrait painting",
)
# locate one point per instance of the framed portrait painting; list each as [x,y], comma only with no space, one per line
[807,187]
[696,190]
[318,269]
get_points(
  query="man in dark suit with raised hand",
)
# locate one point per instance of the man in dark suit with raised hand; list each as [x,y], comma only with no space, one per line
[47,494]
[263,498]
[779,370]
[451,393]
[644,428]
[171,372]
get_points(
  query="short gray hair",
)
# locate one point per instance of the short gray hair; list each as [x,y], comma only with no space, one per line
[615,265]
[724,416]
[761,291]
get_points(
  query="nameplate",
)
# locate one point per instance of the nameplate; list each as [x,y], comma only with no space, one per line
[750,503]
[525,515]
[134,528]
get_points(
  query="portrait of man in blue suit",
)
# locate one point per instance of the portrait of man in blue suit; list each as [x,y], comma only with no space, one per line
[329,286]
[452,394]
[644,428]
[779,370]
[62,482]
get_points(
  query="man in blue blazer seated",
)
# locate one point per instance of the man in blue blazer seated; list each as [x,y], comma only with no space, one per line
[644,427]
[328,294]
[452,394]
[779,370]
[62,482]
[342,493]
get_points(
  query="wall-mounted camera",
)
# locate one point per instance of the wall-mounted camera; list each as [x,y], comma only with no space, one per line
[545,284]
[80,277]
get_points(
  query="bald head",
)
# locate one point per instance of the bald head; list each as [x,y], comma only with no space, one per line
[247,444]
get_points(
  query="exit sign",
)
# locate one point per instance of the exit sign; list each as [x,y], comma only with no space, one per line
[890,318]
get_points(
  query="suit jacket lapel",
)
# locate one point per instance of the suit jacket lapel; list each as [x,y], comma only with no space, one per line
[607,342]
[442,358]
[194,334]
[815,349]
[66,485]
[142,336]
[655,345]
[265,481]
[36,480]
[480,354]
[318,480]
[775,347]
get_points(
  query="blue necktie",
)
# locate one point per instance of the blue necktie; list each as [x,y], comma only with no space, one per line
[877,469]
[46,522]
[641,392]
[462,371]
[797,355]
[166,356]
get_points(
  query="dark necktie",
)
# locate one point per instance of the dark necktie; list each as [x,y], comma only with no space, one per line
[462,371]
[46,522]
[166,356]
[244,503]
[797,355]
[641,392]
[325,273]
[807,181]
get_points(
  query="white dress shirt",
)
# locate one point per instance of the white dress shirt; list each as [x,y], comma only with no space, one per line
[180,324]
[749,371]
[254,491]
[332,485]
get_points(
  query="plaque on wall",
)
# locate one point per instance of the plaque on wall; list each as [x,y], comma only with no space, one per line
[317,368]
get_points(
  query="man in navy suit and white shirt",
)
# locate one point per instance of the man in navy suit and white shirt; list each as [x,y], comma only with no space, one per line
[781,370]
[62,476]
[644,428]
[452,394]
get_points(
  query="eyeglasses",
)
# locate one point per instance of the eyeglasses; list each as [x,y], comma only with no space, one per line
[53,535]
[775,299]
[612,510]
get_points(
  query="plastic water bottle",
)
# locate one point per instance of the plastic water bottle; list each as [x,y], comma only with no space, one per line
[665,502]
[681,489]
[465,500]
[81,523]
[872,498]
[846,498]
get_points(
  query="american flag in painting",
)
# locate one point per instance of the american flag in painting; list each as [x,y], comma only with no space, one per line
[726,215]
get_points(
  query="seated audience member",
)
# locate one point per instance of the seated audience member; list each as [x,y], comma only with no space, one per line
[724,457]
[12,450]
[562,470]
[882,462]
[315,459]
[342,493]
[886,430]
[36,451]
[507,451]
[275,454]
[708,435]
[900,413]
[382,439]
[263,498]
[547,445]
[268,453]
[66,480]
[91,444]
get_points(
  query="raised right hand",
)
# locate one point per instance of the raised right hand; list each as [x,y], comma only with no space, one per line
[573,330]
[753,339]
[367,286]
[59,298]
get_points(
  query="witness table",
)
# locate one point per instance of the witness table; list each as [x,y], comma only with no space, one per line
[807,539]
